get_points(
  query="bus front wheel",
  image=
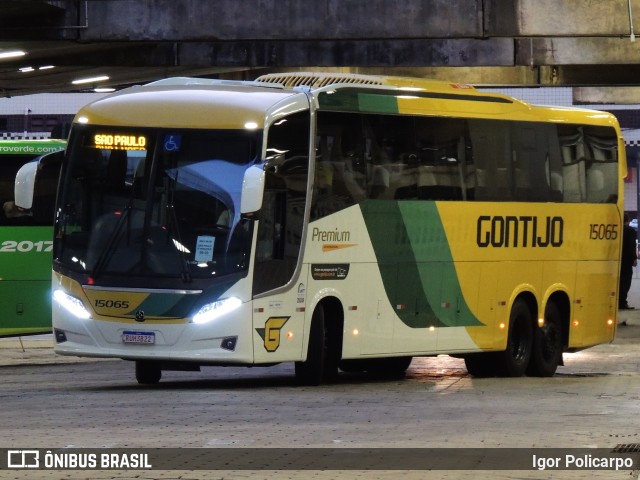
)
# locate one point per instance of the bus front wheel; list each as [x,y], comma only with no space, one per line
[322,362]
[147,373]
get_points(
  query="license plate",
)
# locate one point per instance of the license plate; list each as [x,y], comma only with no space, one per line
[145,338]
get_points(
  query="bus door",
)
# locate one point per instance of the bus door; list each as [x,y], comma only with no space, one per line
[279,282]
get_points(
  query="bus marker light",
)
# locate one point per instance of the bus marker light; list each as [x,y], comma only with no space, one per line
[541,322]
[432,328]
[300,309]
[609,322]
[289,335]
[502,325]
[576,323]
[356,332]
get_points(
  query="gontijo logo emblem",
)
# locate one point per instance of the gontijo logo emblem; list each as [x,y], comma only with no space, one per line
[271,334]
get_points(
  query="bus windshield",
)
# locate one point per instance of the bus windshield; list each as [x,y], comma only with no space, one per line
[154,203]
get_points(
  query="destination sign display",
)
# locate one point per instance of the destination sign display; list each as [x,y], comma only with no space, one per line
[120,142]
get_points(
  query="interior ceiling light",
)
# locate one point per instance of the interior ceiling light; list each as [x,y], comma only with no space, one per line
[12,54]
[46,67]
[26,69]
[104,90]
[80,81]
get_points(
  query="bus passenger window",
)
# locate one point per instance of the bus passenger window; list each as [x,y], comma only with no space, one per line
[602,164]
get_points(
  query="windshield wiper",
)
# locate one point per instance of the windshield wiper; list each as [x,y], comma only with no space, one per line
[174,228]
[105,255]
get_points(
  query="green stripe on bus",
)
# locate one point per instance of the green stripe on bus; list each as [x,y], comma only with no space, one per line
[416,264]
[353,101]
[178,305]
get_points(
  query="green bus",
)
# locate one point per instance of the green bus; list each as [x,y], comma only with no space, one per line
[25,234]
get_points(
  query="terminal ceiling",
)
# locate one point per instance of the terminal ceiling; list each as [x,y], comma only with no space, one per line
[490,42]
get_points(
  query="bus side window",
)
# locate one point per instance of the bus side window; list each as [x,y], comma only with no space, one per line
[602,168]
[492,153]
[573,163]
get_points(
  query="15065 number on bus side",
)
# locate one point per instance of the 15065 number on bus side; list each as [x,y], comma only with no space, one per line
[603,231]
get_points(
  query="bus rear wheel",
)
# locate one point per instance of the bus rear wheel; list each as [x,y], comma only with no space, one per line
[322,355]
[481,364]
[515,359]
[148,373]
[547,344]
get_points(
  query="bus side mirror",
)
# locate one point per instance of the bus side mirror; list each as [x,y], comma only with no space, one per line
[24,185]
[252,190]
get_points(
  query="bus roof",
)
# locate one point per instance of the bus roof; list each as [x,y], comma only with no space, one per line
[180,103]
[184,102]
[31,147]
[411,95]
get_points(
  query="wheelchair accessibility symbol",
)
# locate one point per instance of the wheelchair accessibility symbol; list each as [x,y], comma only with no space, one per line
[172,143]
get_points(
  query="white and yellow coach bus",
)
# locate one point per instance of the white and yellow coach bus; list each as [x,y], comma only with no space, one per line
[341,222]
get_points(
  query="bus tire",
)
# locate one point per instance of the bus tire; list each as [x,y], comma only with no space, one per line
[547,344]
[389,367]
[148,373]
[353,366]
[481,364]
[322,362]
[515,359]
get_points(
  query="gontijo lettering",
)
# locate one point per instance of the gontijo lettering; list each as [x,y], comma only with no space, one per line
[522,231]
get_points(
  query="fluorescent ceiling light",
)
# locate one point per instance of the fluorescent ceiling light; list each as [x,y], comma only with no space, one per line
[12,53]
[90,80]
[26,69]
[104,90]
[46,67]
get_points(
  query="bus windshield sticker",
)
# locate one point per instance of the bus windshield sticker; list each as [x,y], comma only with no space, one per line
[172,143]
[330,271]
[204,248]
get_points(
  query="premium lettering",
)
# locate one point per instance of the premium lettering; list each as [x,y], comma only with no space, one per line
[523,231]
[336,235]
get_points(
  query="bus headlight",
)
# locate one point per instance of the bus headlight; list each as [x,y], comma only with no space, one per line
[211,311]
[72,304]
